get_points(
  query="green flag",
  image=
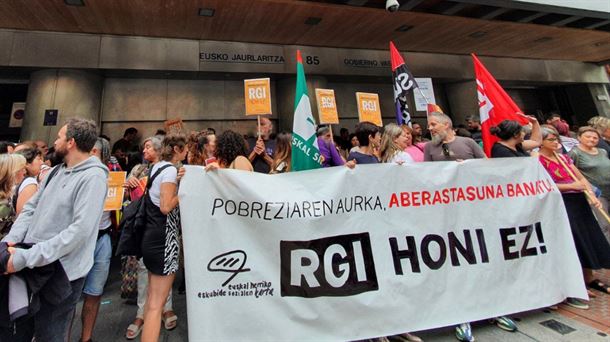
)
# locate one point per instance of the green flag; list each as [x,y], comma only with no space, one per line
[305,151]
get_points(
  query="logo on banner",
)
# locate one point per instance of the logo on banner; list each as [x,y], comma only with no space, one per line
[335,266]
[231,262]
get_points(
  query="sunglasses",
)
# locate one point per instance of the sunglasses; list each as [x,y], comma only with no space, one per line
[446,151]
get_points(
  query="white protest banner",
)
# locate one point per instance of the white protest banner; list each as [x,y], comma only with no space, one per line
[340,254]
[425,86]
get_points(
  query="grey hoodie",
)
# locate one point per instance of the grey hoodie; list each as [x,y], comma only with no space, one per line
[63,221]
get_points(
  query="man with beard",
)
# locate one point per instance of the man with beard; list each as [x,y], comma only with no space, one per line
[61,224]
[418,133]
[262,148]
[445,145]
[474,127]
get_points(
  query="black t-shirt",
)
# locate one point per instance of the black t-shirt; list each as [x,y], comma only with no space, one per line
[259,164]
[500,151]
[362,158]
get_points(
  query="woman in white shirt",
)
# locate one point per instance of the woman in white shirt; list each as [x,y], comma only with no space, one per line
[160,247]
[393,145]
[28,187]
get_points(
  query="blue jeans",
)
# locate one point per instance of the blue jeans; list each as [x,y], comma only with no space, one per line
[97,276]
[51,323]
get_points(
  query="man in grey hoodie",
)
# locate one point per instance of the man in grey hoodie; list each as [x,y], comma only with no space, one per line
[62,220]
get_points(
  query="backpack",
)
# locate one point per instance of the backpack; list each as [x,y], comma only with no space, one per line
[133,222]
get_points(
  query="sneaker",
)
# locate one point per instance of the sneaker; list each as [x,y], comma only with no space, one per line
[505,323]
[463,333]
[577,303]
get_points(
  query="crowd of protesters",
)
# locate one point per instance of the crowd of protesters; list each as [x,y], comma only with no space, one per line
[56,234]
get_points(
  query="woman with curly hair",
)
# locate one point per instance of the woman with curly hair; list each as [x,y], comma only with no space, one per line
[231,152]
[201,147]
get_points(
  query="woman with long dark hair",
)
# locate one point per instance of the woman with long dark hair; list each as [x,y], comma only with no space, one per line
[27,188]
[231,152]
[512,139]
[283,153]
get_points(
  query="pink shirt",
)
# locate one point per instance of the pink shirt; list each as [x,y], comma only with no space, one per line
[559,174]
[416,152]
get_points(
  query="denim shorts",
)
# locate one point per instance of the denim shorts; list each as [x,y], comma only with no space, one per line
[97,276]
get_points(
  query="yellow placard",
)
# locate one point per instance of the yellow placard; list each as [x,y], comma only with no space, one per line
[327,106]
[257,94]
[368,108]
[114,197]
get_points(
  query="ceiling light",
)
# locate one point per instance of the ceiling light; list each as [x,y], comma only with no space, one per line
[75,2]
[404,28]
[313,21]
[206,12]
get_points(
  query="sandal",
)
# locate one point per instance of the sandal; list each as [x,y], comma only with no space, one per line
[170,320]
[134,329]
[591,294]
[599,286]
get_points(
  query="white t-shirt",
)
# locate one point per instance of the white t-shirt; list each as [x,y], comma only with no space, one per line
[105,222]
[26,182]
[402,157]
[168,175]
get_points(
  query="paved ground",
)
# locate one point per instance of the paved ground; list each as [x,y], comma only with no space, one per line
[564,324]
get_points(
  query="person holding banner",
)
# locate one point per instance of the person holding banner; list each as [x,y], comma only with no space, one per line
[415,150]
[368,136]
[393,145]
[591,246]
[201,147]
[512,143]
[445,145]
[231,152]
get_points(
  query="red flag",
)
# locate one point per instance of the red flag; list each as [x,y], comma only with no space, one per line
[495,105]
[433,107]
[403,83]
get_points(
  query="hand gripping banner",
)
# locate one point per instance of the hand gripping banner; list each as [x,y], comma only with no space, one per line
[339,254]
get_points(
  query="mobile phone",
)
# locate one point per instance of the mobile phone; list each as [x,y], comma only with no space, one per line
[210,160]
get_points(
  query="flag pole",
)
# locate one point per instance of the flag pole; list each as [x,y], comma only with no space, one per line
[424,95]
[587,194]
[258,119]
